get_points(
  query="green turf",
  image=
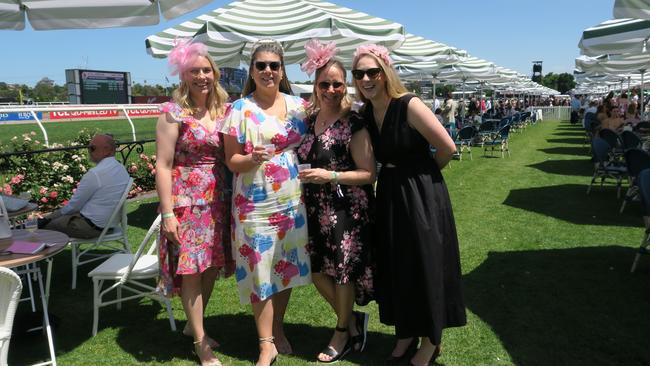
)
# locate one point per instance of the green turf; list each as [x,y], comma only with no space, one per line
[546,277]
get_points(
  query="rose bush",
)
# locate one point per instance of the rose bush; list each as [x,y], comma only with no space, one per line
[50,178]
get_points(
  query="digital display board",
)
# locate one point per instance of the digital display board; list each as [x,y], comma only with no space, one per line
[103,87]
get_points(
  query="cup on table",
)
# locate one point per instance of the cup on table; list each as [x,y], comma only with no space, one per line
[302,167]
[31,224]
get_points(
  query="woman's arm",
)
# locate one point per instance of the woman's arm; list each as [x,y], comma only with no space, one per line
[240,162]
[166,136]
[422,119]
[364,159]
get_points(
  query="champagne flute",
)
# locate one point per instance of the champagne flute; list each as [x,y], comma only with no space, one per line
[31,224]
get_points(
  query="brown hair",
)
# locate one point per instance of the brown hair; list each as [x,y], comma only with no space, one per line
[314,103]
[217,96]
[271,46]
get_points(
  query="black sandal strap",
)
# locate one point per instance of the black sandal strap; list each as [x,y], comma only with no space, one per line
[340,329]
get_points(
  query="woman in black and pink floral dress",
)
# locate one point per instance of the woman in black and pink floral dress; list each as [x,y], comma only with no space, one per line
[339,199]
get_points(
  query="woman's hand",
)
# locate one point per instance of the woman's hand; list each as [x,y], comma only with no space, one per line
[260,155]
[316,176]
[170,229]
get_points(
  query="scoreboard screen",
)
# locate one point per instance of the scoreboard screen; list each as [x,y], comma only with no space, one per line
[103,87]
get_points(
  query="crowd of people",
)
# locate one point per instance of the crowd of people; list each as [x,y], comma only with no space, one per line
[613,112]
[279,192]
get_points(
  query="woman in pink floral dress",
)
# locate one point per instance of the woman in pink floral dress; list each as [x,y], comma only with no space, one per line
[191,183]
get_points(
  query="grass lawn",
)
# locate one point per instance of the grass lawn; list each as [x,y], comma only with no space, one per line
[546,277]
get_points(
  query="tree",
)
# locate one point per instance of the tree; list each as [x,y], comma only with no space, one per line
[560,82]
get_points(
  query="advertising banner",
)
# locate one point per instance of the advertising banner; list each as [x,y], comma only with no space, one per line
[83,114]
[19,116]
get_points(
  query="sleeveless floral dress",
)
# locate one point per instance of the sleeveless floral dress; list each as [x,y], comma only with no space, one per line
[201,203]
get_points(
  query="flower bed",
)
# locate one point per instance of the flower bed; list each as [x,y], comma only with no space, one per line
[51,178]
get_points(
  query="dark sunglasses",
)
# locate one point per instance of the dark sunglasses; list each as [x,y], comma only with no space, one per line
[92,148]
[324,85]
[372,73]
[274,65]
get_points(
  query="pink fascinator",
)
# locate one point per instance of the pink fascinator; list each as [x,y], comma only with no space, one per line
[318,54]
[184,53]
[375,49]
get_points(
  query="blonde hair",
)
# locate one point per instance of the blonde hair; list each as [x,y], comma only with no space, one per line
[272,46]
[314,103]
[394,87]
[217,96]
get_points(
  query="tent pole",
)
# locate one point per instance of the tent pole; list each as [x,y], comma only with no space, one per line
[641,96]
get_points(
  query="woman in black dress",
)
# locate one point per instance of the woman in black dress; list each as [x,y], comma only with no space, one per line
[417,282]
[338,196]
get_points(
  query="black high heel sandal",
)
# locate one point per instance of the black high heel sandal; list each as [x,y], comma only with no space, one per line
[432,360]
[361,323]
[334,354]
[410,351]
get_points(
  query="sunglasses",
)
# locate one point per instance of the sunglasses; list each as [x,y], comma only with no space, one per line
[92,148]
[274,65]
[324,85]
[372,73]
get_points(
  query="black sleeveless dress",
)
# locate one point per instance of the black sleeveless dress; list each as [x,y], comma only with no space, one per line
[418,276]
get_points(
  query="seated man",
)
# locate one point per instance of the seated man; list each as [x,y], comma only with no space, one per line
[100,189]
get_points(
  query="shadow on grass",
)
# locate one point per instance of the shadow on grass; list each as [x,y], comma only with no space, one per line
[577,306]
[569,202]
[579,167]
[567,140]
[567,150]
[238,338]
[571,133]
[143,216]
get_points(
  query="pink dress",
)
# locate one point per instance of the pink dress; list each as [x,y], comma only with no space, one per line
[201,203]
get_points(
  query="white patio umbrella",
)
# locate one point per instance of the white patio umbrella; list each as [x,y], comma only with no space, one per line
[615,37]
[229,32]
[418,49]
[639,9]
[71,14]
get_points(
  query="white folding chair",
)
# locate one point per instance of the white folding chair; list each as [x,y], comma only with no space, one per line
[128,270]
[113,238]
[10,289]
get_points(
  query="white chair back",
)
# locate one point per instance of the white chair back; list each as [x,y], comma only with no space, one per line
[118,213]
[152,234]
[10,289]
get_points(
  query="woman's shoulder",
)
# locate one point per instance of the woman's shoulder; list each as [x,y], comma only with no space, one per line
[241,103]
[295,102]
[174,110]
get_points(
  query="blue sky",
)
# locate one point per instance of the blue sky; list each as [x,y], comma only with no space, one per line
[510,33]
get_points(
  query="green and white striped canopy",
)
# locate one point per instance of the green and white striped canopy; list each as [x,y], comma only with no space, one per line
[229,32]
[620,65]
[418,49]
[615,37]
[72,14]
[639,9]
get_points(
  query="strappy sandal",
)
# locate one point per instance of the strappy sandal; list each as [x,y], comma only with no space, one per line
[361,323]
[197,349]
[335,355]
[270,339]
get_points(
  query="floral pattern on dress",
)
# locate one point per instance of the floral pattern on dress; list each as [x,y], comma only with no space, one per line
[269,223]
[201,204]
[339,216]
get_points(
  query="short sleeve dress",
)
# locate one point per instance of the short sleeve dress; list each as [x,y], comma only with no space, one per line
[269,219]
[418,277]
[201,204]
[339,216]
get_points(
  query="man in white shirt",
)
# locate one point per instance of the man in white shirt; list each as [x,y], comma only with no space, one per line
[100,189]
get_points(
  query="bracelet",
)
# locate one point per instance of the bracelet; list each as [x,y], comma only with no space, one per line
[167,215]
[335,177]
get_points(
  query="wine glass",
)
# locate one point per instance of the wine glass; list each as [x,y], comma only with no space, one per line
[31,224]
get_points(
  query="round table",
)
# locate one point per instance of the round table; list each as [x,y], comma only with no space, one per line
[58,242]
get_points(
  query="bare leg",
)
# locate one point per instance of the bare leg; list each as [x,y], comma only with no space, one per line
[264,314]
[343,302]
[192,300]
[401,346]
[208,277]
[328,289]
[425,353]
[280,303]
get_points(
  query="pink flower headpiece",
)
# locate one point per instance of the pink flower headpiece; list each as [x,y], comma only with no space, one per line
[375,49]
[318,54]
[183,55]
